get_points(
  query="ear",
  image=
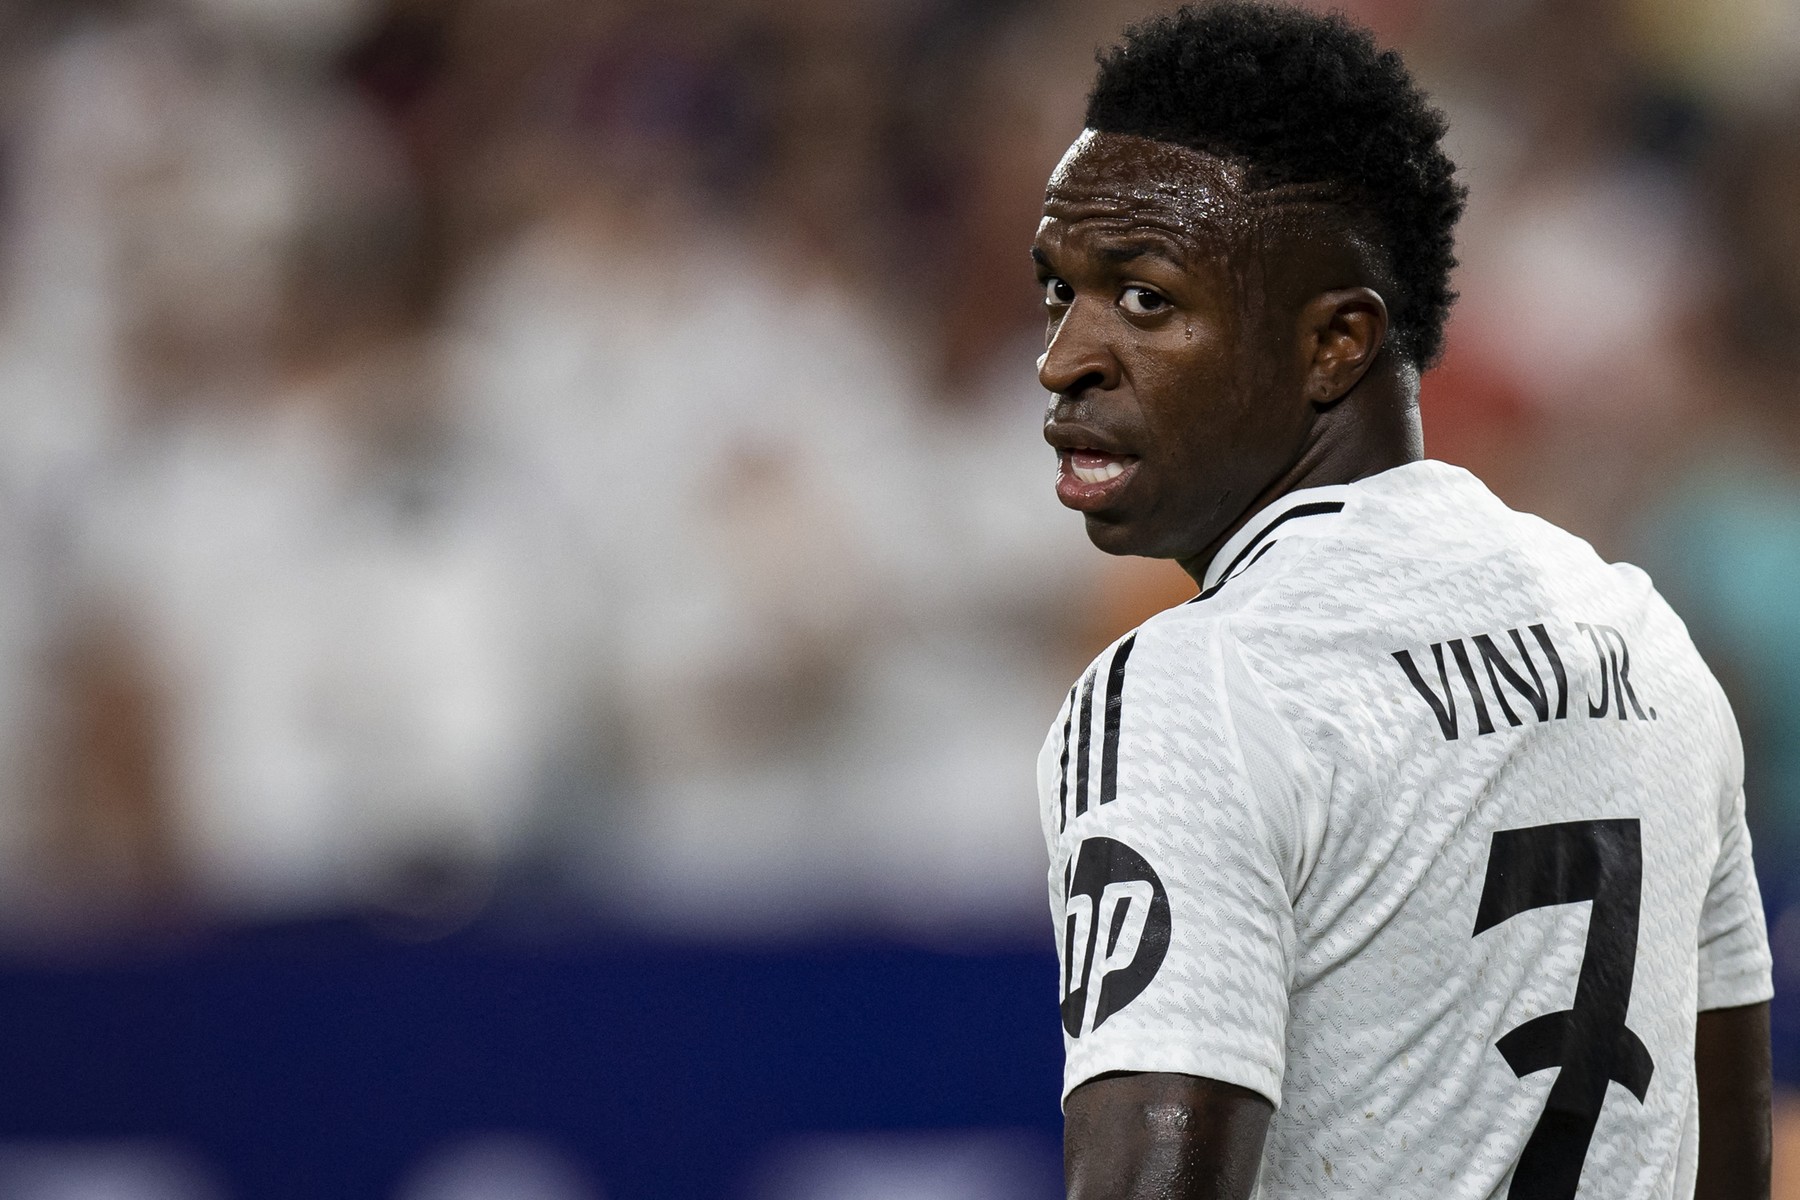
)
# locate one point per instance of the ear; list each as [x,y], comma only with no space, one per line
[1341,332]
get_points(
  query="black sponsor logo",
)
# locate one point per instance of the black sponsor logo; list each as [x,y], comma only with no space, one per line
[1115,932]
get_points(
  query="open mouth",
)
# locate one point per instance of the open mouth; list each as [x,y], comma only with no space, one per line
[1090,466]
[1090,479]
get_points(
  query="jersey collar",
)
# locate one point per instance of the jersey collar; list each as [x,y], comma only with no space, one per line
[1304,505]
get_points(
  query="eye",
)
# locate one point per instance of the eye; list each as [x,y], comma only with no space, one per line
[1058,294]
[1142,302]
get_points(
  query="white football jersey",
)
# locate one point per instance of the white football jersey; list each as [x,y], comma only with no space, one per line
[1425,823]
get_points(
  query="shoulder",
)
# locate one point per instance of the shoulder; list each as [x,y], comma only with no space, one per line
[1179,657]
[1172,685]
[1306,608]
[1182,688]
[1413,558]
[1170,737]
[1417,551]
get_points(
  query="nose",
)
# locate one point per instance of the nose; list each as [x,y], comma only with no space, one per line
[1079,357]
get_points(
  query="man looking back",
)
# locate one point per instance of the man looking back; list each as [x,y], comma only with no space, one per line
[1407,859]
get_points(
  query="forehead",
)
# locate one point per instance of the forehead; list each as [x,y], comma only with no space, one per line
[1113,182]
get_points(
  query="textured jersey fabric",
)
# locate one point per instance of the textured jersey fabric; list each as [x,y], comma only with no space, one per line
[1425,823]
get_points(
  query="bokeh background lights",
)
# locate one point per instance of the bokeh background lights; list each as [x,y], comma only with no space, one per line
[530,589]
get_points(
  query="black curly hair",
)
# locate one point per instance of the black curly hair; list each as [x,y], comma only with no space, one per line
[1301,98]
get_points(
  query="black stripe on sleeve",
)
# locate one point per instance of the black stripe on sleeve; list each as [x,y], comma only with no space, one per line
[1081,743]
[1115,707]
[1062,801]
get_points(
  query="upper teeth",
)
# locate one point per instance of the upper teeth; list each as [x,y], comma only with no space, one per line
[1111,470]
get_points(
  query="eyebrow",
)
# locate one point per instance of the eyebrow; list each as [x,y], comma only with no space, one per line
[1123,253]
[1126,252]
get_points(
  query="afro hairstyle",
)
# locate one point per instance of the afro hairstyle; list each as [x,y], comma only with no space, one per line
[1301,98]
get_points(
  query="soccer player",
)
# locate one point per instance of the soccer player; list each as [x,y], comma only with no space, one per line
[1408,858]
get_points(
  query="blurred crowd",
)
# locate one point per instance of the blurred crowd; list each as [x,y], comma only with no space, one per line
[470,456]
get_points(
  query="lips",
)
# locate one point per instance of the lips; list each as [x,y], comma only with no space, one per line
[1088,479]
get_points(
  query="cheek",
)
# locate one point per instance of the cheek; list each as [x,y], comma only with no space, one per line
[1194,401]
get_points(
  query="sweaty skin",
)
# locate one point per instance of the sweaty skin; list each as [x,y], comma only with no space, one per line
[1732,1074]
[1163,1137]
[1214,344]
[1222,347]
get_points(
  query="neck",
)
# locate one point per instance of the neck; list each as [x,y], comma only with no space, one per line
[1373,428]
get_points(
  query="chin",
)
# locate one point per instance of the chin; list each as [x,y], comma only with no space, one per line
[1137,539]
[1120,537]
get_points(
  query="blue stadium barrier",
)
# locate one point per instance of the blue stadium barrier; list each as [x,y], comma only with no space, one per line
[320,1061]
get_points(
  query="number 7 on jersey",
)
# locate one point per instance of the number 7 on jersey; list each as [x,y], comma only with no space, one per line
[1600,862]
